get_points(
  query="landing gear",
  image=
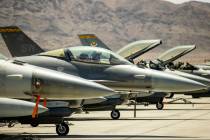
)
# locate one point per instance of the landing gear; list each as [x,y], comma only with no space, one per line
[115,114]
[34,123]
[170,96]
[195,96]
[159,105]
[62,129]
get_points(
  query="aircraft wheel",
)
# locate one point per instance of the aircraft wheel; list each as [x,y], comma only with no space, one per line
[194,96]
[159,105]
[62,129]
[115,114]
[34,123]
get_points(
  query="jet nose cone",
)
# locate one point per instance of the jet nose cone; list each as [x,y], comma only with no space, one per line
[189,85]
[174,83]
[197,78]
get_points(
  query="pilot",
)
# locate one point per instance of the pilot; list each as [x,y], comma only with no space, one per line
[84,57]
[96,57]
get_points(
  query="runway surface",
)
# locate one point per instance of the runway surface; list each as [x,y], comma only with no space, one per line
[175,121]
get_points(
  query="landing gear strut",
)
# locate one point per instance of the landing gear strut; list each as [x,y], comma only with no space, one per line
[62,129]
[170,96]
[115,114]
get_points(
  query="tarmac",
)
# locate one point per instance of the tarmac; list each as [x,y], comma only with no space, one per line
[176,121]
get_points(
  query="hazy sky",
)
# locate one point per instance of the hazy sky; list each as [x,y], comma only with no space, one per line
[181,1]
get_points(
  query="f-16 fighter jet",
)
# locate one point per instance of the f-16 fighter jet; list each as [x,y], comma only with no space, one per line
[165,59]
[23,81]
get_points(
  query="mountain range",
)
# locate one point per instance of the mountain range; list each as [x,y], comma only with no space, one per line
[56,23]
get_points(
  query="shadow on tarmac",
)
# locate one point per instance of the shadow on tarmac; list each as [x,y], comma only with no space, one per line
[51,136]
[175,109]
[130,119]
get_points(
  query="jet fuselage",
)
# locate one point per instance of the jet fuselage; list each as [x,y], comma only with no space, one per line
[110,70]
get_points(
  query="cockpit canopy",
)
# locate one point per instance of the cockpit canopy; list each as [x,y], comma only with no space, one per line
[88,55]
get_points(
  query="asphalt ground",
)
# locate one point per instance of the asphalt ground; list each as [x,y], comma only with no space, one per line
[176,121]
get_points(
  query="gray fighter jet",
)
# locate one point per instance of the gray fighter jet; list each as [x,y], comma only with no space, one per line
[23,81]
[167,59]
[105,67]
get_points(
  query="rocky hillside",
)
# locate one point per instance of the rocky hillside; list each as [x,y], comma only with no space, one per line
[56,23]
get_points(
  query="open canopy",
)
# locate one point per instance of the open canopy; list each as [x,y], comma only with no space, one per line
[175,53]
[137,48]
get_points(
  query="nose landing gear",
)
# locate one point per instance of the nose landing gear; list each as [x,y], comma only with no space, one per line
[159,105]
[115,114]
[62,129]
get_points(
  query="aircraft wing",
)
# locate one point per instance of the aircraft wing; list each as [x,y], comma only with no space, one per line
[175,53]
[18,43]
[92,40]
[137,48]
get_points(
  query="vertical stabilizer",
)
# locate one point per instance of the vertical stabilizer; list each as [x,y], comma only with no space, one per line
[18,43]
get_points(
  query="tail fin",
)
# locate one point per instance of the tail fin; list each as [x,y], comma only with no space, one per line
[18,43]
[92,40]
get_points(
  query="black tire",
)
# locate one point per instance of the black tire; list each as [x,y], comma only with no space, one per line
[62,129]
[34,123]
[194,96]
[159,105]
[115,114]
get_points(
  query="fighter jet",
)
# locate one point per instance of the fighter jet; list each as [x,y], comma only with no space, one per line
[143,46]
[200,70]
[165,59]
[23,81]
[109,69]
